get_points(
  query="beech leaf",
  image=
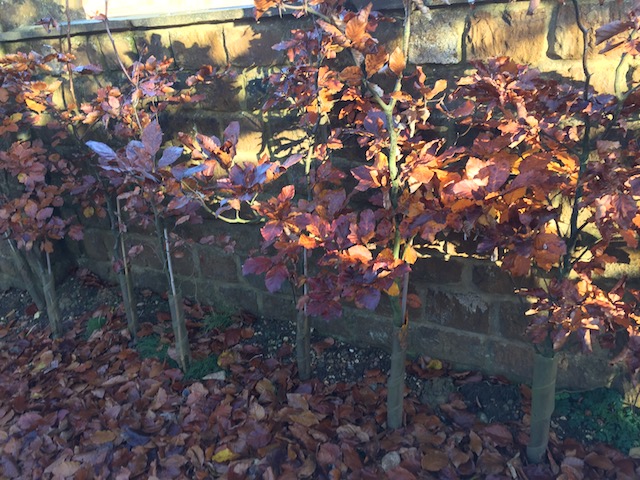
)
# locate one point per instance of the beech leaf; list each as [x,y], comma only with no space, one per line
[397,62]
[169,156]
[102,150]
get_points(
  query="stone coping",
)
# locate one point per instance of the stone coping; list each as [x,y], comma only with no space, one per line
[219,15]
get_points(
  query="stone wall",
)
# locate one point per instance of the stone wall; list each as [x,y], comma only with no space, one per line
[469,314]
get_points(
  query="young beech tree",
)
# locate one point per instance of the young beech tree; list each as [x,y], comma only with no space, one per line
[35,178]
[550,186]
[152,198]
[360,225]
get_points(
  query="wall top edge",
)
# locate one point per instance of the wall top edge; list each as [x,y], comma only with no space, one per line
[88,27]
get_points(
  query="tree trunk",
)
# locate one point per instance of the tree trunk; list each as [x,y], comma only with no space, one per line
[543,395]
[27,274]
[51,299]
[47,280]
[124,275]
[177,312]
[303,346]
[395,383]
[180,332]
[126,290]
[397,372]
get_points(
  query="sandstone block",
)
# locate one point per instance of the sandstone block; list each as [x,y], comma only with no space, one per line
[98,244]
[250,44]
[489,278]
[125,49]
[566,40]
[239,297]
[153,42]
[436,271]
[462,311]
[217,266]
[498,30]
[436,38]
[465,349]
[194,46]
[512,321]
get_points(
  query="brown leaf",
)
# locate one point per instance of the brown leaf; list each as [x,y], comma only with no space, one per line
[102,436]
[373,62]
[305,418]
[351,75]
[351,431]
[499,434]
[475,443]
[596,460]
[63,468]
[612,29]
[329,454]
[434,460]
[397,62]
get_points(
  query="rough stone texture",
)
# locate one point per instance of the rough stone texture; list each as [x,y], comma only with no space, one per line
[436,38]
[16,14]
[465,311]
[512,359]
[186,265]
[437,270]
[125,46]
[154,42]
[223,94]
[239,297]
[497,30]
[216,265]
[491,279]
[512,321]
[149,256]
[466,350]
[194,47]
[98,245]
[566,41]
[278,306]
[579,372]
[249,44]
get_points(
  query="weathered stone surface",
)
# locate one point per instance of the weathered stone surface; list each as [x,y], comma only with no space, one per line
[465,349]
[249,44]
[186,264]
[87,50]
[153,42]
[279,306]
[250,142]
[463,311]
[497,30]
[149,256]
[436,271]
[565,38]
[98,244]
[491,279]
[512,359]
[17,14]
[582,372]
[512,321]
[254,89]
[239,297]
[125,46]
[218,266]
[196,46]
[436,38]
[222,94]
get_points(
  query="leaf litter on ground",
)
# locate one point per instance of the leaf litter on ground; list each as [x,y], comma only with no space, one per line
[93,408]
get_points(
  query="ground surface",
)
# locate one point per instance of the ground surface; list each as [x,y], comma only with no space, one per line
[90,406]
